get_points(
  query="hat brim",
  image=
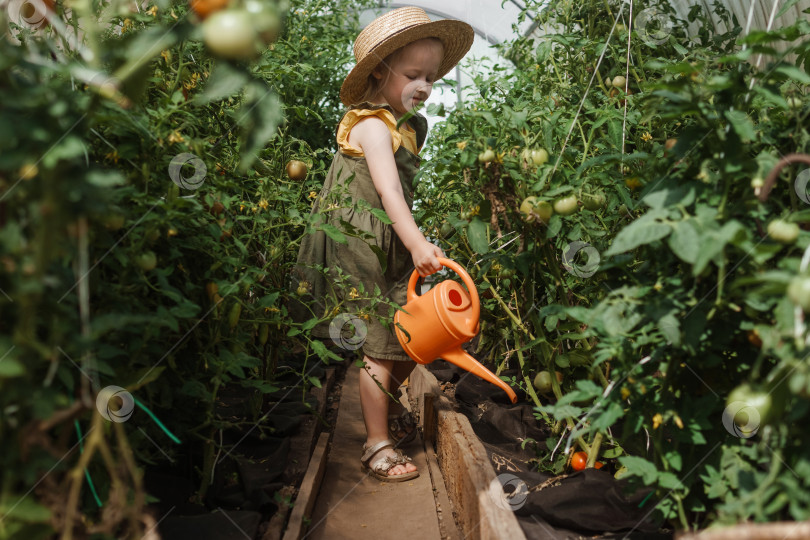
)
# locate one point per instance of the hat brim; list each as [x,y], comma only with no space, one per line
[457,37]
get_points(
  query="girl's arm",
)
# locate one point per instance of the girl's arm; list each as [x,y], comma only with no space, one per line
[373,137]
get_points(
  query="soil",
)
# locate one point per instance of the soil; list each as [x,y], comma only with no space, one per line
[264,453]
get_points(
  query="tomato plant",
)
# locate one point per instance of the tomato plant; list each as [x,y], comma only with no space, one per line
[147,237]
[669,289]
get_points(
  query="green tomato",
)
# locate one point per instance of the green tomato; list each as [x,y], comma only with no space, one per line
[783,231]
[542,381]
[566,206]
[544,211]
[619,81]
[750,406]
[114,221]
[146,261]
[266,19]
[234,314]
[799,292]
[486,156]
[794,102]
[527,209]
[537,156]
[230,34]
[446,230]
[505,273]
[593,201]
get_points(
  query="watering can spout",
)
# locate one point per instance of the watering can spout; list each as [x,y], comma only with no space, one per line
[467,362]
[436,324]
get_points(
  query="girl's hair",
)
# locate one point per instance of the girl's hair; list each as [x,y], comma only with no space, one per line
[374,84]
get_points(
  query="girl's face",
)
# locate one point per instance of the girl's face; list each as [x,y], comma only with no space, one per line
[408,79]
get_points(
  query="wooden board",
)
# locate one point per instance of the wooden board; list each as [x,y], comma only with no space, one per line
[465,467]
[305,501]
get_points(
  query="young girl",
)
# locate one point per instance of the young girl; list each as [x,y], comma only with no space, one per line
[400,55]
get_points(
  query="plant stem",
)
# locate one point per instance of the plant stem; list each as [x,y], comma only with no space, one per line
[594,452]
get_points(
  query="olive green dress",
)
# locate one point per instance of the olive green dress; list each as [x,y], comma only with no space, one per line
[349,176]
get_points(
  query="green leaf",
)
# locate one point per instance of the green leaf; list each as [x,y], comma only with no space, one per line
[310,324]
[608,417]
[24,509]
[334,233]
[268,300]
[259,117]
[381,215]
[638,466]
[667,480]
[323,352]
[640,232]
[685,241]
[225,80]
[743,126]
[105,178]
[554,226]
[382,256]
[315,382]
[794,73]
[68,148]
[11,367]
[477,235]
[670,196]
[670,328]
[614,452]
[561,412]
[712,244]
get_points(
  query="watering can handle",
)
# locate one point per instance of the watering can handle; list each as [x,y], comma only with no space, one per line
[465,277]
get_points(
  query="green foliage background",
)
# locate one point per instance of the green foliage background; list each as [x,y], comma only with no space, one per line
[685,306]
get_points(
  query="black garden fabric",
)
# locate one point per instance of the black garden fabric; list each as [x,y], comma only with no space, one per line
[585,504]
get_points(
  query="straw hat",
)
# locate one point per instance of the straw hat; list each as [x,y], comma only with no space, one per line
[395,29]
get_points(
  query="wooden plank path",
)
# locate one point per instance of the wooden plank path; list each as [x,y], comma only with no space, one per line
[352,505]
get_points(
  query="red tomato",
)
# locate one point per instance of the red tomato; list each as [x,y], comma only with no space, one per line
[579,459]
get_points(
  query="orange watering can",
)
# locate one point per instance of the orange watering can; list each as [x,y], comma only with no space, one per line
[440,321]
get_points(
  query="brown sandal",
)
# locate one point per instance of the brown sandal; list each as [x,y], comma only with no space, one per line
[379,468]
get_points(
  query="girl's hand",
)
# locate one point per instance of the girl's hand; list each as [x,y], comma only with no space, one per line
[425,258]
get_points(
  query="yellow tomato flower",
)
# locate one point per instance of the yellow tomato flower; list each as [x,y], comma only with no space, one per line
[646,137]
[264,204]
[175,137]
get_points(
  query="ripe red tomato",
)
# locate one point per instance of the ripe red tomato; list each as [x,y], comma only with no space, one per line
[580,459]
[204,8]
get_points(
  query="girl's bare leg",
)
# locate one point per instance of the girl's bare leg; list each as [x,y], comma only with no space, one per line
[374,403]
